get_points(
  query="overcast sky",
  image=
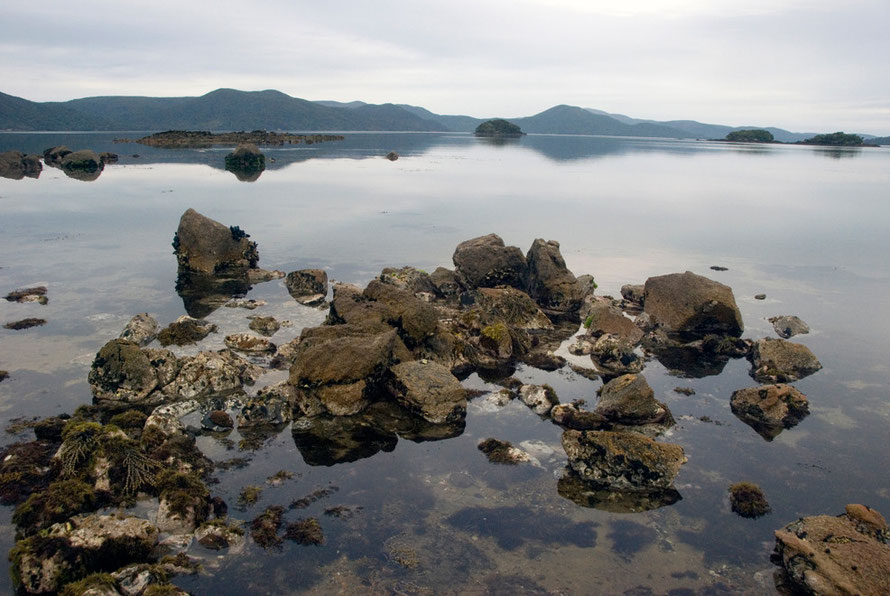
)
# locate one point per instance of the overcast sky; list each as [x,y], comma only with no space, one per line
[805,65]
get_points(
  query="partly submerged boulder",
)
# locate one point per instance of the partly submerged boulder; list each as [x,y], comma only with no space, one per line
[54,155]
[185,330]
[780,361]
[691,306]
[603,318]
[486,262]
[769,408]
[84,159]
[548,281]
[307,286]
[847,554]
[623,461]
[630,400]
[246,158]
[121,371]
[16,165]
[208,374]
[788,326]
[204,245]
[428,389]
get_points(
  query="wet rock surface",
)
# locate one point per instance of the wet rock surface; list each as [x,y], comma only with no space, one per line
[629,399]
[780,361]
[691,306]
[429,389]
[186,330]
[207,246]
[847,554]
[307,286]
[788,326]
[770,408]
[622,460]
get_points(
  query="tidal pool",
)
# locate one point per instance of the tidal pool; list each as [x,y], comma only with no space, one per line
[402,513]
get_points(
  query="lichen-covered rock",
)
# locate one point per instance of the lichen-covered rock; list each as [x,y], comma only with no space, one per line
[121,371]
[691,306]
[408,279]
[612,355]
[847,554]
[23,295]
[252,344]
[788,326]
[769,408]
[513,307]
[629,399]
[623,461]
[272,406]
[486,262]
[428,389]
[540,398]
[207,246]
[82,545]
[548,281]
[307,286]
[142,329]
[185,330]
[780,361]
[211,373]
[446,282]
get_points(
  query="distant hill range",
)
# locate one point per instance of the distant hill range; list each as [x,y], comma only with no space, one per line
[231,110]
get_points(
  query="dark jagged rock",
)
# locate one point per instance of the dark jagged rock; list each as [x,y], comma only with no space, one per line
[847,554]
[690,306]
[769,409]
[429,389]
[603,318]
[630,400]
[24,324]
[548,281]
[207,246]
[513,307]
[502,452]
[307,286]
[788,326]
[414,318]
[272,406]
[623,461]
[392,156]
[486,262]
[633,293]
[780,361]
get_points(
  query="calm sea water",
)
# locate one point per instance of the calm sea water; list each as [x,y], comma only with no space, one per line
[806,226]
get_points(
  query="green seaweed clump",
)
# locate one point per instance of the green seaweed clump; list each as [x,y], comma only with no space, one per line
[748,500]
[249,495]
[96,583]
[306,531]
[185,494]
[264,528]
[60,501]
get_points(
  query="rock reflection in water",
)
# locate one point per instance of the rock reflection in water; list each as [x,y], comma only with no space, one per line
[203,293]
[573,488]
[691,362]
[329,440]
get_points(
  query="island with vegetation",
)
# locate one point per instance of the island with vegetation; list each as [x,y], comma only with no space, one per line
[835,139]
[193,139]
[498,128]
[753,135]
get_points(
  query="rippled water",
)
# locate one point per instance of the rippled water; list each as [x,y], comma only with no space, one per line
[806,226]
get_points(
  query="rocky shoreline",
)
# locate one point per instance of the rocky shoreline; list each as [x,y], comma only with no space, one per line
[387,363]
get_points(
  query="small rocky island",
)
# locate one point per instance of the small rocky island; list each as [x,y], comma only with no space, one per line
[498,128]
[197,139]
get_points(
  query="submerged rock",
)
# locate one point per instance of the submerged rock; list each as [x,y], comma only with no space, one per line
[847,554]
[540,398]
[429,389]
[24,324]
[35,294]
[780,361]
[502,452]
[486,262]
[622,460]
[630,400]
[691,306]
[267,326]
[788,326]
[207,246]
[252,344]
[770,408]
[570,486]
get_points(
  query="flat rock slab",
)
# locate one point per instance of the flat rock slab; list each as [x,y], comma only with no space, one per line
[623,461]
[847,554]
[780,361]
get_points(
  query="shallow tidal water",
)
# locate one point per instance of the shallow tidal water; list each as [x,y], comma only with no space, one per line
[805,226]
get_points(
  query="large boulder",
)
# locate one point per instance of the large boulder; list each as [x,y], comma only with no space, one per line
[207,246]
[121,371]
[769,408]
[548,281]
[415,318]
[82,545]
[446,282]
[603,318]
[629,399]
[691,306]
[780,361]
[337,364]
[486,262]
[84,159]
[428,389]
[847,554]
[307,286]
[246,157]
[623,461]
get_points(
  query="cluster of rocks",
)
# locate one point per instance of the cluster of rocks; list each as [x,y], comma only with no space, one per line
[84,164]
[33,295]
[17,165]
